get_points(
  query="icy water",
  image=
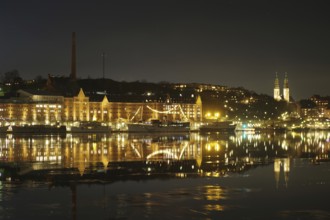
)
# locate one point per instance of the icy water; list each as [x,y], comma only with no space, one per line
[165,176]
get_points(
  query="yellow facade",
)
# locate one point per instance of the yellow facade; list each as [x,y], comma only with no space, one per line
[79,108]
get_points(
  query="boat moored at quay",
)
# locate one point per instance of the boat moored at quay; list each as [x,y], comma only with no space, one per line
[158,126]
[36,129]
[243,127]
[89,127]
[219,126]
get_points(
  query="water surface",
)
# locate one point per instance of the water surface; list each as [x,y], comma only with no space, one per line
[165,176]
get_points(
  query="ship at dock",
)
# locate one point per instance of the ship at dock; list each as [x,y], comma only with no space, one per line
[90,127]
[243,127]
[219,126]
[159,126]
[36,129]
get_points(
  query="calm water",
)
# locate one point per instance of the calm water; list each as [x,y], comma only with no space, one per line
[165,176]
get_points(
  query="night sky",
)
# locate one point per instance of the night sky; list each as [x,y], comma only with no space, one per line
[225,42]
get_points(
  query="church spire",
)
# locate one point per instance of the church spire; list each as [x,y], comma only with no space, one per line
[277,95]
[286,90]
[277,83]
[286,81]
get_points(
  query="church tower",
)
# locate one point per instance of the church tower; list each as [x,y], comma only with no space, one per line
[286,91]
[277,95]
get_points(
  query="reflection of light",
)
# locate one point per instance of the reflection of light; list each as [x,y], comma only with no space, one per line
[217,147]
[278,163]
[214,193]
[136,151]
[232,151]
[181,175]
[214,207]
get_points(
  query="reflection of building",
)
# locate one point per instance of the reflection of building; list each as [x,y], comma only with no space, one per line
[279,164]
[95,150]
[212,155]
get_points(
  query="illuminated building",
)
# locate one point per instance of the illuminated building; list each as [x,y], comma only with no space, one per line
[317,107]
[286,90]
[322,104]
[42,107]
[64,102]
[200,87]
[309,112]
[277,95]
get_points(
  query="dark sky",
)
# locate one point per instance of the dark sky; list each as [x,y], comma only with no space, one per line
[225,42]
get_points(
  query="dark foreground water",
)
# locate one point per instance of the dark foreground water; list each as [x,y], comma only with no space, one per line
[212,176]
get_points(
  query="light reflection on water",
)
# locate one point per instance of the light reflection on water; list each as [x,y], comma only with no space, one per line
[165,176]
[177,203]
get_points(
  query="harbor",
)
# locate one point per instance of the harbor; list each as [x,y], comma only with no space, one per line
[200,110]
[215,174]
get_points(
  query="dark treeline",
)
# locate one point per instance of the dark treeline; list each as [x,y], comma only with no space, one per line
[232,103]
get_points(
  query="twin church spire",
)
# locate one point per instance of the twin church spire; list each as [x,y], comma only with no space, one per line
[286,90]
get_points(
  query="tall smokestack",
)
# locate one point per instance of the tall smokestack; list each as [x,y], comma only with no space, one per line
[73,74]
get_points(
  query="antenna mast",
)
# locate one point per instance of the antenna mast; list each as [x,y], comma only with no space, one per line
[103,65]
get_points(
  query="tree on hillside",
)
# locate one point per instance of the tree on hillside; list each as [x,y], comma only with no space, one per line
[306,103]
[11,80]
[11,77]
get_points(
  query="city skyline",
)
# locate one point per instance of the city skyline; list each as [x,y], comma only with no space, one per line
[232,43]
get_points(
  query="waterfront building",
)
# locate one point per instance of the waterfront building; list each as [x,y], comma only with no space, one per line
[322,104]
[65,102]
[44,107]
[309,112]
